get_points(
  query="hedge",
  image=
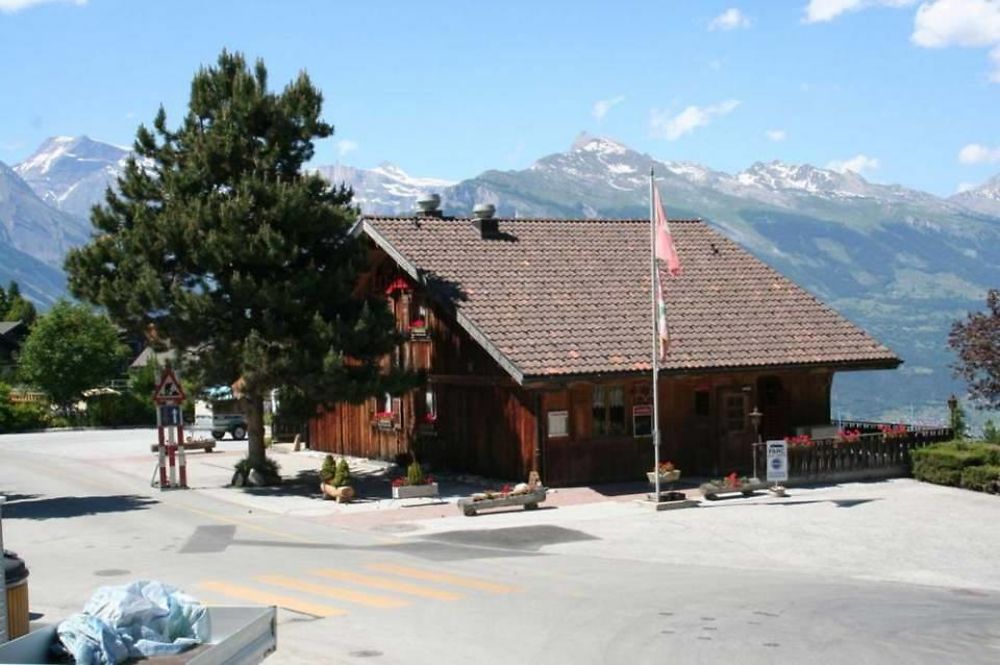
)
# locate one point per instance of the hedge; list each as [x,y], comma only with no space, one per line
[985,478]
[971,465]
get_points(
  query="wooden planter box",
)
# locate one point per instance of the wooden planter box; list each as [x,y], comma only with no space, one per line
[415,491]
[384,424]
[711,491]
[426,430]
[530,501]
[671,477]
[342,494]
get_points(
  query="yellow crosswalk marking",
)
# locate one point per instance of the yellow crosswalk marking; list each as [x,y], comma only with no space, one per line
[265,598]
[386,584]
[446,578]
[339,593]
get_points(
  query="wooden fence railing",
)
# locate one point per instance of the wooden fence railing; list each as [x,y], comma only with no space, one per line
[873,453]
[22,396]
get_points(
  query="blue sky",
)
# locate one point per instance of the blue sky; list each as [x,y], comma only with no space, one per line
[906,92]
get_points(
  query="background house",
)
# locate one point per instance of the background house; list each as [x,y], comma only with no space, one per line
[12,334]
[536,338]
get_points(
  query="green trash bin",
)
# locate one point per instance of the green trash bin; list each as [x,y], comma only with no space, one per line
[16,581]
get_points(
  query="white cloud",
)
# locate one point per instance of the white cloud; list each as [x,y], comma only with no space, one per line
[11,6]
[968,23]
[819,11]
[346,146]
[730,19]
[776,135]
[975,153]
[673,127]
[858,164]
[943,23]
[602,106]
[964,187]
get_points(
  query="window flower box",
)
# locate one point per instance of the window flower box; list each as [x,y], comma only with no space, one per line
[384,421]
[418,329]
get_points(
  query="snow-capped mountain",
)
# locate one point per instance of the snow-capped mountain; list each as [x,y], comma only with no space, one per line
[385,189]
[901,262]
[31,226]
[72,173]
[984,198]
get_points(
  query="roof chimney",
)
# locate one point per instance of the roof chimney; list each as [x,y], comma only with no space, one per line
[430,205]
[482,219]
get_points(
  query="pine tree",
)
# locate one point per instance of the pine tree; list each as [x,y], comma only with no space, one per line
[222,244]
[15,307]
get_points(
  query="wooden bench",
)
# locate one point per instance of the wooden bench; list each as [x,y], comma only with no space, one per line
[529,500]
[208,445]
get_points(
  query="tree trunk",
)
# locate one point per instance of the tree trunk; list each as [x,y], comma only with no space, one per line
[255,430]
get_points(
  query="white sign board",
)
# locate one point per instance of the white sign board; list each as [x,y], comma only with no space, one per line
[558,424]
[777,461]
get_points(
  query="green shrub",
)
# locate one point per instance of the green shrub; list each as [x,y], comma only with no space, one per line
[269,470]
[990,432]
[947,463]
[121,410]
[343,474]
[21,417]
[414,473]
[984,478]
[328,470]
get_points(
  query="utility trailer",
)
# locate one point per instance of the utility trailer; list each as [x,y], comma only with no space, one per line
[238,636]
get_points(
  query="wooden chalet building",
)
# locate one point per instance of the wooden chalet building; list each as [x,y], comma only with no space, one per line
[536,338]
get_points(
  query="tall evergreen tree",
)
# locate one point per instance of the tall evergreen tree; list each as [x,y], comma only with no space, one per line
[15,307]
[222,244]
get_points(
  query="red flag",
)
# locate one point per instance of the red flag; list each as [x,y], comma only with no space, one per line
[665,250]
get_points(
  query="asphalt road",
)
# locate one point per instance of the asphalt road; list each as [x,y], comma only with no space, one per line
[602,584]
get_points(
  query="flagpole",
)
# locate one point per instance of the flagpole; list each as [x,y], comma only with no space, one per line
[653,278]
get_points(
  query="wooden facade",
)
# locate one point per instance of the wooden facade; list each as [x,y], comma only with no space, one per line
[472,416]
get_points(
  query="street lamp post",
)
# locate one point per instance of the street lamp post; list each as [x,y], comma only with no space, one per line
[755,418]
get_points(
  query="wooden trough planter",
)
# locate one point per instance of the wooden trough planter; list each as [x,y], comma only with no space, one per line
[711,491]
[342,494]
[208,445]
[529,500]
[428,490]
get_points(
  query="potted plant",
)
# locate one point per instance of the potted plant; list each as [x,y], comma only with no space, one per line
[335,480]
[667,472]
[414,484]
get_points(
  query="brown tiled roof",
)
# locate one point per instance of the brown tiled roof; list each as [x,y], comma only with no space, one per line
[559,297]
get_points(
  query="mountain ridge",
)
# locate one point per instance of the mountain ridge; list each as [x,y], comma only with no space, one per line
[900,262]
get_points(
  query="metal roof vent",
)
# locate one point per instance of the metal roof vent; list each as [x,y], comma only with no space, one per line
[482,219]
[430,205]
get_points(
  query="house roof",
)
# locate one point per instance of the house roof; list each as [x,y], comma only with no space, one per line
[552,297]
[8,326]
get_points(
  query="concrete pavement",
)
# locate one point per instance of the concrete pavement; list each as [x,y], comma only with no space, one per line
[874,573]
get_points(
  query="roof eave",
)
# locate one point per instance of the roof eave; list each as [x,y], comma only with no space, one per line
[841,366]
[364,226]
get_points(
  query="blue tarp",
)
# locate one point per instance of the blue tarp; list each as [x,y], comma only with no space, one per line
[140,619]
